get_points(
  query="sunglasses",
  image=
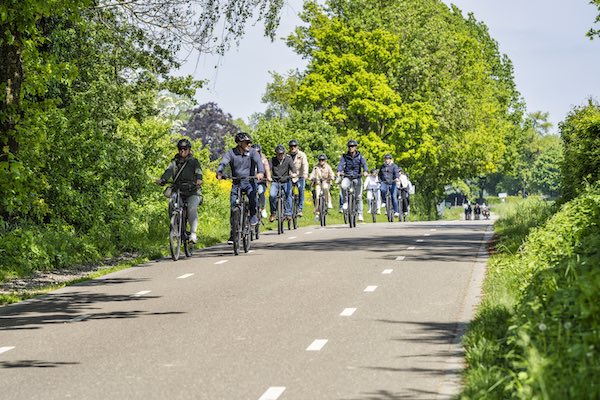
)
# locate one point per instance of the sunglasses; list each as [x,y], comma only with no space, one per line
[184,148]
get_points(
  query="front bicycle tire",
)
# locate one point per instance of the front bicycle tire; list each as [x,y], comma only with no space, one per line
[374,210]
[351,214]
[235,230]
[322,211]
[175,235]
[280,216]
[246,233]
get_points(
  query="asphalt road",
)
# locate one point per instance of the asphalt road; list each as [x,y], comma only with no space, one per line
[371,313]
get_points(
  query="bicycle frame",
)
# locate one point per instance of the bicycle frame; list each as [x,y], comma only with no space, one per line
[178,234]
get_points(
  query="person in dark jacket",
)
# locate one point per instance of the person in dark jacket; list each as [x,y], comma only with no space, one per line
[186,173]
[282,169]
[388,176]
[244,162]
[351,167]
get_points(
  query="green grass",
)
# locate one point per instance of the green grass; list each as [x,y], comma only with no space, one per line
[535,335]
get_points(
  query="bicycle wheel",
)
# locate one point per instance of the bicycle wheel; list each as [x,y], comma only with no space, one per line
[257,230]
[295,212]
[175,235]
[374,210]
[322,210]
[188,246]
[389,207]
[246,232]
[236,229]
[351,215]
[280,216]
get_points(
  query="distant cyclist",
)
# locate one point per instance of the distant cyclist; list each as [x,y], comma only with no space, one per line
[388,177]
[244,162]
[301,163]
[405,188]
[373,185]
[353,165]
[262,185]
[186,173]
[322,172]
[282,169]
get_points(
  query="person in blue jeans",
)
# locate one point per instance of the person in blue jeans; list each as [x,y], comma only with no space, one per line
[282,169]
[301,162]
[351,168]
[388,176]
[244,162]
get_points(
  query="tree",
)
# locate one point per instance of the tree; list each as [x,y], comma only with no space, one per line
[212,126]
[413,78]
[592,33]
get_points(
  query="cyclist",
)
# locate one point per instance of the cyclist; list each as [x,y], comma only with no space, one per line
[244,162]
[388,176]
[282,168]
[322,171]
[262,185]
[301,163]
[186,173]
[372,183]
[352,164]
[405,188]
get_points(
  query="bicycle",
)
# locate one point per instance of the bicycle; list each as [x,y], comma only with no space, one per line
[351,212]
[280,201]
[321,204]
[404,204]
[293,222]
[240,219]
[178,233]
[389,205]
[373,203]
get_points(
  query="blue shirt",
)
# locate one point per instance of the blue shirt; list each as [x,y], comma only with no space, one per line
[388,173]
[352,166]
[243,164]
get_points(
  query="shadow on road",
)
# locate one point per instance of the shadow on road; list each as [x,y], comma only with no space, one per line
[34,364]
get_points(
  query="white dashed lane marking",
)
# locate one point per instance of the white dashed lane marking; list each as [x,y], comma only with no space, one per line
[387,271]
[184,276]
[292,237]
[140,294]
[80,318]
[317,345]
[427,234]
[272,393]
[221,262]
[6,348]
[433,230]
[370,289]
[419,240]
[347,312]
[411,248]
[400,258]
[307,233]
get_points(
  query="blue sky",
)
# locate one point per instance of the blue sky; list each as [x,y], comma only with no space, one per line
[556,65]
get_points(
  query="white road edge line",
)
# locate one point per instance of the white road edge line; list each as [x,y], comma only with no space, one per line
[411,248]
[307,233]
[427,234]
[370,288]
[272,393]
[400,258]
[317,345]
[139,294]
[184,276]
[250,251]
[347,312]
[6,348]
[221,262]
[387,271]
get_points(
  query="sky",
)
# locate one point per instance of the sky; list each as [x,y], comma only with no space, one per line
[556,66]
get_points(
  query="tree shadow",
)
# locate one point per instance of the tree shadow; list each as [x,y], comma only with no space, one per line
[388,395]
[35,364]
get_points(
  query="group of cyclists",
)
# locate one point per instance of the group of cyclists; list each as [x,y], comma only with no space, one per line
[252,171]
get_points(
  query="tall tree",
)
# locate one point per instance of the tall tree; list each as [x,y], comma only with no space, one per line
[212,126]
[592,33]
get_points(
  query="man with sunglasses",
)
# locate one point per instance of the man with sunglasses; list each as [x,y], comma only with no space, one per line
[186,173]
[301,163]
[352,165]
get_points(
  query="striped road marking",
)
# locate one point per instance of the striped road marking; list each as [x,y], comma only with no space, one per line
[184,276]
[400,258]
[80,318]
[387,271]
[419,240]
[411,248]
[370,289]
[292,237]
[221,262]
[317,345]
[143,292]
[272,393]
[347,312]
[6,348]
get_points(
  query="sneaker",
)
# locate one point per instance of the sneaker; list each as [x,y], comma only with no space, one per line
[230,241]
[254,220]
[369,211]
[396,215]
[345,206]
[263,213]
[299,213]
[379,212]
[193,238]
[341,211]
[329,205]
[360,218]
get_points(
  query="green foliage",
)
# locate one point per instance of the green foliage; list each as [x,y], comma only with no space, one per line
[581,140]
[592,33]
[537,332]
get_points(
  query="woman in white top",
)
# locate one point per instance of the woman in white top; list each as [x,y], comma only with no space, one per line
[371,186]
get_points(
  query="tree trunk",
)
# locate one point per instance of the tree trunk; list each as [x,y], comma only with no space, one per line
[11,77]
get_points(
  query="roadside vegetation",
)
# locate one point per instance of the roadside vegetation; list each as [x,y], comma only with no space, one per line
[537,331]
